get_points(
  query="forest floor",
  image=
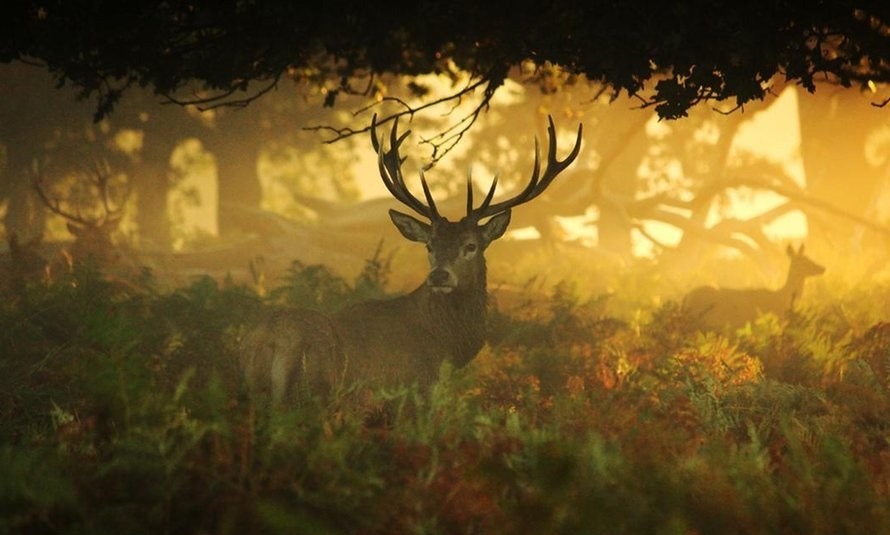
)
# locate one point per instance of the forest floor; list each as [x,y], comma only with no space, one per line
[121,411]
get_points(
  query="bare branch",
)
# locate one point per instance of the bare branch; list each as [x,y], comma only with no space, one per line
[441,143]
[220,100]
[722,235]
[882,103]
[656,208]
[735,108]
[451,141]
[639,227]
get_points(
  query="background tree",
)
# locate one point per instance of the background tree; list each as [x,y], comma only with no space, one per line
[682,59]
[42,126]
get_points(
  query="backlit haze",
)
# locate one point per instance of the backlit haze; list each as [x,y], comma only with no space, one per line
[635,197]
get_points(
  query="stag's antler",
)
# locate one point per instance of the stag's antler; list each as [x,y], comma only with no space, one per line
[536,185]
[100,179]
[390,165]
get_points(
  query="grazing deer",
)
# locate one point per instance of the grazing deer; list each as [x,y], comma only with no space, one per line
[718,308]
[406,338]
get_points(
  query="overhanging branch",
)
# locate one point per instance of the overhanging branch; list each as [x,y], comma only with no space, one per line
[441,143]
[222,99]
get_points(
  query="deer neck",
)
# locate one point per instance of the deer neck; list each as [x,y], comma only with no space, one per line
[793,287]
[457,319]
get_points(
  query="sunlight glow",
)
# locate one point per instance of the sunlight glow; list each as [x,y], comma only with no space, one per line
[773,134]
[192,200]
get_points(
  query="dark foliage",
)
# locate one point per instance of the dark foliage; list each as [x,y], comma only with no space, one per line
[672,54]
[122,413]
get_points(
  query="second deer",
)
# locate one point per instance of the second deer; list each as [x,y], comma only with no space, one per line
[92,231]
[719,308]
[404,339]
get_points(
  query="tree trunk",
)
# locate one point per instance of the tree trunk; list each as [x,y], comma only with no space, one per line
[25,216]
[238,180]
[151,183]
[835,125]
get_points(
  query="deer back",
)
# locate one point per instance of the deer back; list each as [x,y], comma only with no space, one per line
[288,351]
[718,308]
[387,342]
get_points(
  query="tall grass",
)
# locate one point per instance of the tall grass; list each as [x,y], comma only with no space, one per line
[122,411]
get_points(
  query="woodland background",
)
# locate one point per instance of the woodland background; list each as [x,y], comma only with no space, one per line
[214,160]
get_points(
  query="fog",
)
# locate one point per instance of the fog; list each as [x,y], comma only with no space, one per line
[654,207]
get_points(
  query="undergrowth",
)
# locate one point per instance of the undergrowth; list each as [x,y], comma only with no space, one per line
[122,411]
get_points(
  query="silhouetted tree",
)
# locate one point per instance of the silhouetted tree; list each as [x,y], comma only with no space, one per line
[662,58]
[670,55]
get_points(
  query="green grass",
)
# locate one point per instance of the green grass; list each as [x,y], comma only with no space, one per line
[121,411]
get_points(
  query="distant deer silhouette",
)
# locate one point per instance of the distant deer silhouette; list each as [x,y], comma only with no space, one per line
[719,308]
[404,339]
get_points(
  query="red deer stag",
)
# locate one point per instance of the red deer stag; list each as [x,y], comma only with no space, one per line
[406,338]
[92,233]
[719,308]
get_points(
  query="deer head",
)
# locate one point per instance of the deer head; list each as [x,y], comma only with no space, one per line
[456,248]
[92,233]
[802,266]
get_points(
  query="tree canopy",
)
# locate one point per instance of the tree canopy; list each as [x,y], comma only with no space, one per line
[669,55]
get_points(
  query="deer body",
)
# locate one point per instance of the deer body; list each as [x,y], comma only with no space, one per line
[387,341]
[429,328]
[404,339]
[719,308]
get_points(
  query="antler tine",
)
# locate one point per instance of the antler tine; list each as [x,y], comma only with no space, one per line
[375,143]
[539,182]
[434,213]
[470,190]
[392,184]
[471,212]
[102,177]
[389,163]
[55,206]
[486,201]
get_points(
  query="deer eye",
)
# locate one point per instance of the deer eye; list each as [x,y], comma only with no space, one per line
[470,248]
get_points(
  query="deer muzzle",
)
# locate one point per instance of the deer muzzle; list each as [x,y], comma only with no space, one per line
[441,280]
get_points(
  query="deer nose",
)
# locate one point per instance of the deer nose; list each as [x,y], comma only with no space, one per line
[439,277]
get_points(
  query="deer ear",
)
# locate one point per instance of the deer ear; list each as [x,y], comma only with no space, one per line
[411,228]
[495,227]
